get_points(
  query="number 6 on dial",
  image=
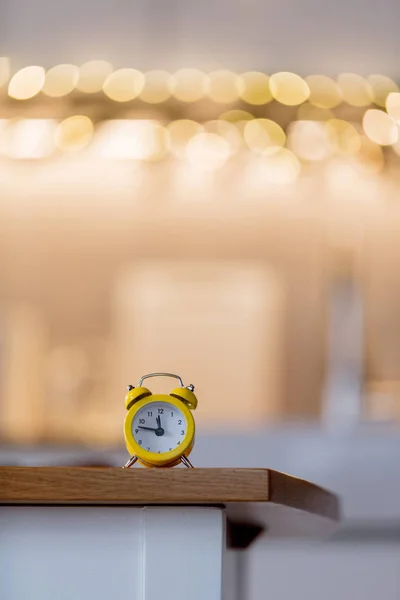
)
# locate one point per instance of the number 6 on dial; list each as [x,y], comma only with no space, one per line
[159,428]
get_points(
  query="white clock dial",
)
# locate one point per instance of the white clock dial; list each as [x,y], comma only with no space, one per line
[159,427]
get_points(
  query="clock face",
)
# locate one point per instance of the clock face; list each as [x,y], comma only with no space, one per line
[159,427]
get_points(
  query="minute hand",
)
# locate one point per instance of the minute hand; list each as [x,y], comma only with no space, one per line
[148,428]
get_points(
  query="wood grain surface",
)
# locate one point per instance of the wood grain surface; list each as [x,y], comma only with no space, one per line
[116,486]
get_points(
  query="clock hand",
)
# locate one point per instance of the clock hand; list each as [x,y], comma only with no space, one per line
[160,430]
[147,428]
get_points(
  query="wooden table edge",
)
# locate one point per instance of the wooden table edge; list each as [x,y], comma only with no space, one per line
[114,486]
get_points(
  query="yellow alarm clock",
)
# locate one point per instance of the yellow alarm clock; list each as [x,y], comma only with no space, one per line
[159,428]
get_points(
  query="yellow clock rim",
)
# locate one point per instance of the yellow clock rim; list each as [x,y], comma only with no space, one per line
[151,458]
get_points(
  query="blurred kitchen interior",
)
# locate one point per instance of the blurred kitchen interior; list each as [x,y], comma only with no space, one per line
[208,189]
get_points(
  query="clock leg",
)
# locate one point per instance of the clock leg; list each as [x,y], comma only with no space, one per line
[186,462]
[130,462]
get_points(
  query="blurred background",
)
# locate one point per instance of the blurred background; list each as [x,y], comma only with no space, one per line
[210,189]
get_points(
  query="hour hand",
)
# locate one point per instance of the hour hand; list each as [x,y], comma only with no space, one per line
[159,422]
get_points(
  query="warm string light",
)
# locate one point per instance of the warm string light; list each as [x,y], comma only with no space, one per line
[254,88]
[289,88]
[314,134]
[263,136]
[324,92]
[131,140]
[355,90]
[156,87]
[380,128]
[347,138]
[381,88]
[74,133]
[188,85]
[393,107]
[27,138]
[207,146]
[93,75]
[207,151]
[228,132]
[180,133]
[60,81]
[191,85]
[223,87]
[124,85]
[26,83]
[311,140]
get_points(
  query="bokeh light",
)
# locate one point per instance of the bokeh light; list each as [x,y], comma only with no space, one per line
[239,118]
[28,138]
[227,131]
[189,85]
[207,151]
[124,85]
[26,83]
[381,87]
[125,139]
[92,76]
[324,92]
[393,106]
[223,86]
[308,112]
[60,80]
[74,133]
[311,140]
[180,132]
[156,87]
[355,90]
[313,134]
[289,88]
[264,136]
[5,70]
[254,88]
[154,140]
[347,138]
[380,128]
[236,116]
[117,139]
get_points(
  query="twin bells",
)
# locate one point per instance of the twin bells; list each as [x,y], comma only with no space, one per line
[181,393]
